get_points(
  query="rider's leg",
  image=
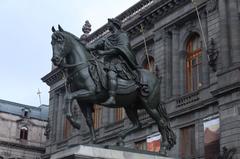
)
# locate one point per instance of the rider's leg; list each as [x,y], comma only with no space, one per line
[112,87]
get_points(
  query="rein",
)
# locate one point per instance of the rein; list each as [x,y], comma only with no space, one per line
[83,64]
[75,65]
[72,65]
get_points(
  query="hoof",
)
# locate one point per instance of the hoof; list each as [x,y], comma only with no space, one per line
[163,150]
[163,153]
[120,143]
[68,115]
[93,141]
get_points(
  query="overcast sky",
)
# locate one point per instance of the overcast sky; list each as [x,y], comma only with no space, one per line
[25,34]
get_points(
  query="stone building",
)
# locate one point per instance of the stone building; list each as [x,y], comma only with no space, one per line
[22,130]
[196,53]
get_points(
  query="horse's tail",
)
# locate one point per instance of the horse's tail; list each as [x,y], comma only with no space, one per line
[171,137]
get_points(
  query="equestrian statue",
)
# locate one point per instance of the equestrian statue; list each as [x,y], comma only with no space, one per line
[106,73]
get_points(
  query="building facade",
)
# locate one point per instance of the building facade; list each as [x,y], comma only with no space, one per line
[194,48]
[22,130]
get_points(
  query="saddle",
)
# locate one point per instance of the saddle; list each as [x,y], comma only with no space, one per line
[99,75]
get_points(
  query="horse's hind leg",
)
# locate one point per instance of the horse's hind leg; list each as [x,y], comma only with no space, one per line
[154,114]
[87,110]
[133,117]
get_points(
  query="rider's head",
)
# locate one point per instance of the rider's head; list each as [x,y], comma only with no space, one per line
[113,22]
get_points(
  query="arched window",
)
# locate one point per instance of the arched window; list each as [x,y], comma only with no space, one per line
[193,63]
[24,133]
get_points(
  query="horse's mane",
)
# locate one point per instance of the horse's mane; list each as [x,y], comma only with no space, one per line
[74,36]
[70,34]
[63,32]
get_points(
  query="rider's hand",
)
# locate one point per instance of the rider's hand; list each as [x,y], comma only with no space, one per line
[101,52]
[107,52]
[90,47]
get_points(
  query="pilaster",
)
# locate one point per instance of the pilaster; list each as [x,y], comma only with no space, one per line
[224,36]
[175,61]
[234,24]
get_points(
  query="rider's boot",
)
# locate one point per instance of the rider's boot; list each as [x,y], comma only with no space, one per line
[112,82]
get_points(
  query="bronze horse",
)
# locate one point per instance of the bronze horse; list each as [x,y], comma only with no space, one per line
[70,55]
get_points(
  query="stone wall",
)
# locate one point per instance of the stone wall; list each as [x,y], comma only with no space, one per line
[11,145]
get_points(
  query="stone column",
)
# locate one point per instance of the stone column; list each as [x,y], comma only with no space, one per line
[234,27]
[224,35]
[55,115]
[60,117]
[168,59]
[159,52]
[175,62]
[50,115]
[238,7]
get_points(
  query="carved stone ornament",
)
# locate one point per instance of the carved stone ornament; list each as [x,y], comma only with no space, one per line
[211,5]
[86,27]
[212,55]
[47,130]
[190,26]
[227,153]
[86,30]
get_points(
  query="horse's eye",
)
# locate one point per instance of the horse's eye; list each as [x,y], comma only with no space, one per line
[60,41]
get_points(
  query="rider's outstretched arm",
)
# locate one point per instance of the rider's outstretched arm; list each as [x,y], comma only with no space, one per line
[107,52]
[96,46]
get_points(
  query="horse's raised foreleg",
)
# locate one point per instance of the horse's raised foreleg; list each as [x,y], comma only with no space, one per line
[87,110]
[133,117]
[82,94]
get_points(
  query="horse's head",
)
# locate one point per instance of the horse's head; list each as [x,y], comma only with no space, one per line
[60,45]
[67,48]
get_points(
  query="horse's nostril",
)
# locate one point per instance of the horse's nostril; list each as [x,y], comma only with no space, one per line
[55,59]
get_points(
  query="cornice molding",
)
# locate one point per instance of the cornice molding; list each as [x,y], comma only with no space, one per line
[52,77]
[145,12]
[23,146]
[125,16]
[226,90]
[194,107]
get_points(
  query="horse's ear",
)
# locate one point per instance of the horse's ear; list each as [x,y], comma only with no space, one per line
[60,28]
[53,29]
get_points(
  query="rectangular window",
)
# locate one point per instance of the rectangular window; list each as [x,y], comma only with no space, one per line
[97,116]
[153,142]
[24,133]
[211,137]
[67,129]
[187,142]
[119,114]
[141,145]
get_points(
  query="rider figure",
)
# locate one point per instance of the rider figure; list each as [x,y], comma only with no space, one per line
[117,52]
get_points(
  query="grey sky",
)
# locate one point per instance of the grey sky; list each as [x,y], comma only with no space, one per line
[25,34]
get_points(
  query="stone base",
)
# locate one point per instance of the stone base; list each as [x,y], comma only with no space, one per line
[90,152]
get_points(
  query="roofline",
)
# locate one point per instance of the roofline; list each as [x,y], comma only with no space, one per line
[122,16]
[22,105]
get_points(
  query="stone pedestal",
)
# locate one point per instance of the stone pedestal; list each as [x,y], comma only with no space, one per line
[89,152]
